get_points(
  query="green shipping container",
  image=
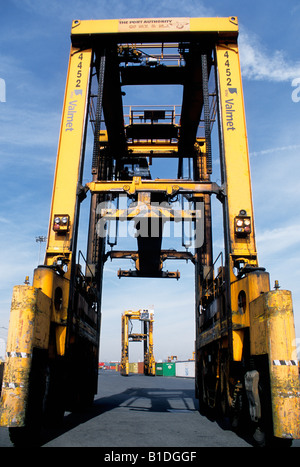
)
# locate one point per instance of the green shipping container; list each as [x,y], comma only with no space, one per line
[159,369]
[169,369]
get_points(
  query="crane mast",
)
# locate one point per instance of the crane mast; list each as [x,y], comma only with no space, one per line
[246,365]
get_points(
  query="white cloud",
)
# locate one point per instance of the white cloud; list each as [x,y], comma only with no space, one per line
[29,127]
[273,241]
[258,63]
[276,149]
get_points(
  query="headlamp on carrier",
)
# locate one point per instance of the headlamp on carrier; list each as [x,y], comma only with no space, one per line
[242,224]
[61,223]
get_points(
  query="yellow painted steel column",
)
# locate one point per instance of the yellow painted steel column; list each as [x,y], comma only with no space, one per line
[151,355]
[235,148]
[272,332]
[124,358]
[68,164]
[28,329]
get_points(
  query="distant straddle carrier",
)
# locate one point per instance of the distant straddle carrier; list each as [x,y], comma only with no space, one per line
[245,340]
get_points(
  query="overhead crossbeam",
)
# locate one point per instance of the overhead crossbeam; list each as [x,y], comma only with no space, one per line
[168,187]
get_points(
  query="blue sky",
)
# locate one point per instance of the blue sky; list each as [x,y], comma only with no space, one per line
[34,48]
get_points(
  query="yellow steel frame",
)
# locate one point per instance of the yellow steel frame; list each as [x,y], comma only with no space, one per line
[49,302]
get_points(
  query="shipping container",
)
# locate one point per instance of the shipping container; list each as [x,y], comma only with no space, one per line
[185,369]
[169,369]
[141,368]
[159,369]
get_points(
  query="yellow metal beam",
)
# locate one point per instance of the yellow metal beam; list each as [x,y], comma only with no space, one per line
[169,187]
[219,26]
[235,150]
[68,165]
[124,357]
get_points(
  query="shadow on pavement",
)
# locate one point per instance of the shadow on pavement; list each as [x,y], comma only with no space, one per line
[154,399]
